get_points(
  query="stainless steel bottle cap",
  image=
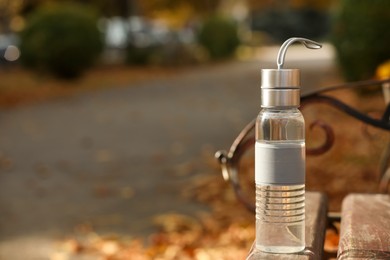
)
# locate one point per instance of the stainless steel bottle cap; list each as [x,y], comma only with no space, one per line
[281,87]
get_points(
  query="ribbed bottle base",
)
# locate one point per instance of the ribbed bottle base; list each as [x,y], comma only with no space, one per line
[280,218]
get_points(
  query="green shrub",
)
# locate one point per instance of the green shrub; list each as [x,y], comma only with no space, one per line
[62,39]
[219,37]
[360,36]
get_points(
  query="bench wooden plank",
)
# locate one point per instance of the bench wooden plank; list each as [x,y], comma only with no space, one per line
[365,227]
[315,216]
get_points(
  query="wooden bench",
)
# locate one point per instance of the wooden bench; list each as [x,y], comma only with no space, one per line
[365,227]
[316,219]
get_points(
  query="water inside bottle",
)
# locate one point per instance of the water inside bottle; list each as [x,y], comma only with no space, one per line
[280,218]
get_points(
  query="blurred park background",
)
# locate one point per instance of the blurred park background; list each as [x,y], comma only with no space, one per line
[111,111]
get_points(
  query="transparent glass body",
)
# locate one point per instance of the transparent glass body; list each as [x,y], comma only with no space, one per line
[280,206]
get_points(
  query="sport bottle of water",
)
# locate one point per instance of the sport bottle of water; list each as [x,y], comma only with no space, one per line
[280,160]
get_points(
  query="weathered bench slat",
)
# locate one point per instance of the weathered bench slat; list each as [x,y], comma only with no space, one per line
[315,213]
[365,227]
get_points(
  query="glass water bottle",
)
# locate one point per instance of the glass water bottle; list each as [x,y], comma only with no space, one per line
[280,199]
[280,159]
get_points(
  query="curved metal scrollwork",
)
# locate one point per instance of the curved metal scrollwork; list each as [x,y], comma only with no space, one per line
[318,97]
[229,161]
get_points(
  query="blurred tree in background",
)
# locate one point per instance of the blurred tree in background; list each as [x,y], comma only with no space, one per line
[360,36]
[204,7]
[9,9]
[283,19]
[126,8]
[62,39]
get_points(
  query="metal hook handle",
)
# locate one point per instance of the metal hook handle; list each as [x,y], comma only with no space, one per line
[283,49]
